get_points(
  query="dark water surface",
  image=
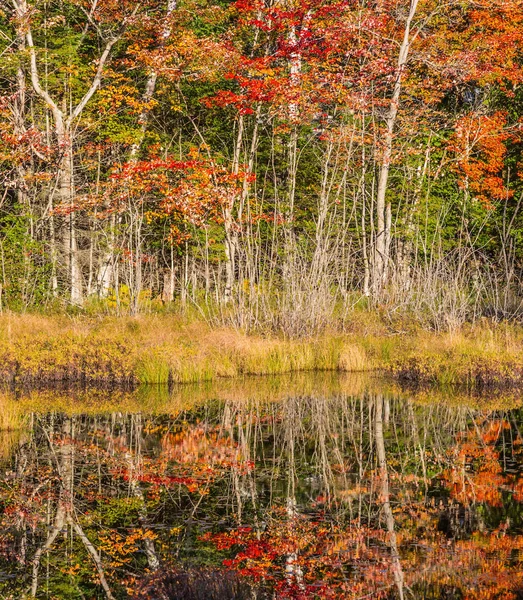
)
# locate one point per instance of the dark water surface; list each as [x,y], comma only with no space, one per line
[315,486]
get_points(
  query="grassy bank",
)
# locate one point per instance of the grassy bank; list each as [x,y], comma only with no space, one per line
[155,349]
[162,349]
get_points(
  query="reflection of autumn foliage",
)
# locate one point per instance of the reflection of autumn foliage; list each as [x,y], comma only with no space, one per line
[309,557]
[319,555]
[198,444]
[156,484]
[476,474]
[122,548]
[22,508]
[193,457]
[484,567]
[115,481]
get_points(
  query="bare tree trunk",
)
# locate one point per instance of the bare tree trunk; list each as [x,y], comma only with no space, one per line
[106,272]
[292,158]
[168,280]
[231,234]
[64,120]
[383,207]
[66,202]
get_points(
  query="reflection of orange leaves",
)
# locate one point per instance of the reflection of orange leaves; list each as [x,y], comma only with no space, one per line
[121,548]
[197,445]
[518,490]
[492,430]
[71,571]
[480,477]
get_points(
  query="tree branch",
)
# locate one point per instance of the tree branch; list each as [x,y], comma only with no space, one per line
[96,81]
[57,527]
[94,555]
[21,10]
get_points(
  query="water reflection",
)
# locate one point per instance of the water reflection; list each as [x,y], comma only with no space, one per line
[309,487]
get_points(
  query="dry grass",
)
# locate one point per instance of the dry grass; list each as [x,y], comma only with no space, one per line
[11,413]
[244,391]
[166,349]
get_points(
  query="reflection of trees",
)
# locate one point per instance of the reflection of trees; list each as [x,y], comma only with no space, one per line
[385,496]
[97,489]
[59,490]
[309,497]
[340,458]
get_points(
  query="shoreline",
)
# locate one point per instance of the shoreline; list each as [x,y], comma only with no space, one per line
[162,349]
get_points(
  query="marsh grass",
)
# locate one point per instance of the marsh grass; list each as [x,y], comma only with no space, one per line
[244,391]
[480,356]
[162,349]
[12,420]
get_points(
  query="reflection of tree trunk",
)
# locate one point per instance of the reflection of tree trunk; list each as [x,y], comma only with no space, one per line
[64,468]
[65,513]
[94,555]
[58,525]
[385,494]
[293,571]
[150,550]
[421,448]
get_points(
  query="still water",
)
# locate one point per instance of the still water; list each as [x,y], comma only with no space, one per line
[314,486]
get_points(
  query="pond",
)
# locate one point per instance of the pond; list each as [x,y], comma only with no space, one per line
[311,486]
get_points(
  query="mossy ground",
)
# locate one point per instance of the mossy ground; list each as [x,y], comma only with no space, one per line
[169,349]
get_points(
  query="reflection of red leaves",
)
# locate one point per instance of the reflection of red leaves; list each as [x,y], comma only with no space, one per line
[320,554]
[191,484]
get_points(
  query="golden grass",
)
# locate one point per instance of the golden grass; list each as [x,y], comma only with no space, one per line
[244,391]
[11,413]
[156,350]
[483,355]
[160,349]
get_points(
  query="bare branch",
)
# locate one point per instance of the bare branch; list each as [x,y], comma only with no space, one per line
[94,555]
[96,81]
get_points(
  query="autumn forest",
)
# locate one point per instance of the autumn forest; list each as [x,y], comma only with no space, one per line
[272,163]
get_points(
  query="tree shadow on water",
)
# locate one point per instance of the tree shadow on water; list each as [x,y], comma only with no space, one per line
[195,584]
